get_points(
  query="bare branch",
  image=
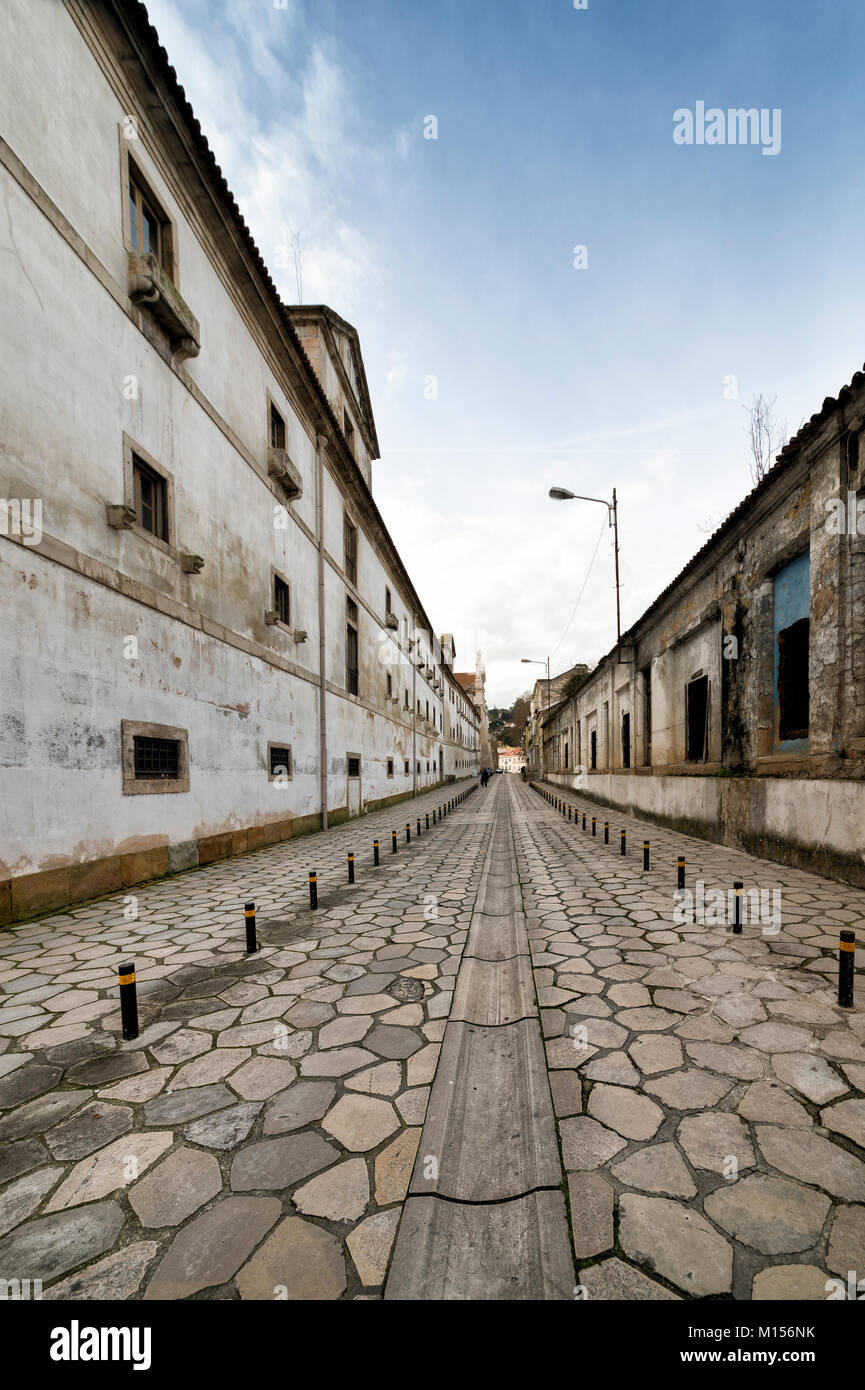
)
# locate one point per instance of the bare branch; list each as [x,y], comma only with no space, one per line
[765,435]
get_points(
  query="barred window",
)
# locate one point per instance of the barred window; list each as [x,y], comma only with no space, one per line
[280,761]
[157,757]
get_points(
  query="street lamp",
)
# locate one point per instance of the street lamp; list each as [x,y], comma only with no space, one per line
[527,661]
[562,494]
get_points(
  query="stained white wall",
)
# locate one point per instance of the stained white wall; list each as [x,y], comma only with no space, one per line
[78,374]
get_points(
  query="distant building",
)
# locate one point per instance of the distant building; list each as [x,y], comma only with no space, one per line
[512,759]
[474,684]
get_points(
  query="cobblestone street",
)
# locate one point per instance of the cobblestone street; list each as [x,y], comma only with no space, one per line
[645,1107]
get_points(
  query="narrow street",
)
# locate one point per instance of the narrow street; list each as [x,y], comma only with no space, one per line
[495,1067]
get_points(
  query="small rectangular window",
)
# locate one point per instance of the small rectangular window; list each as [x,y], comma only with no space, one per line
[279,760]
[350,550]
[389,684]
[390,767]
[282,600]
[277,428]
[147,231]
[352,673]
[696,720]
[150,499]
[157,757]
[405,701]
[354,767]
[793,686]
[405,768]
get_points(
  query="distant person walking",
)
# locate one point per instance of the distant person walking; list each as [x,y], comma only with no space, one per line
[485,776]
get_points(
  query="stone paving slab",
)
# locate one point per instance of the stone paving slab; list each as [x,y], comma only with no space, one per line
[490,1118]
[490,993]
[509,1250]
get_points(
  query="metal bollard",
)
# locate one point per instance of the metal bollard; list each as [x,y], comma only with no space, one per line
[434,815]
[680,865]
[846,964]
[393,840]
[408,833]
[375,853]
[128,1000]
[584,820]
[426,827]
[737,908]
[251,941]
[606,832]
[418,827]
[313,890]
[645,854]
[624,843]
[594,825]
[351,868]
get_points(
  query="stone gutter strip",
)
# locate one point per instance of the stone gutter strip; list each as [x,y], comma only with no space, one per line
[485,1216]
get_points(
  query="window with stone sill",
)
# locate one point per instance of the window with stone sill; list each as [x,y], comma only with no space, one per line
[155,758]
[149,227]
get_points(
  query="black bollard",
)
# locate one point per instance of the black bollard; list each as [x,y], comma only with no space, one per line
[606,832]
[584,820]
[594,825]
[375,853]
[645,854]
[313,890]
[351,868]
[624,842]
[737,908]
[393,840]
[408,832]
[680,865]
[418,827]
[128,1000]
[251,941]
[426,827]
[846,964]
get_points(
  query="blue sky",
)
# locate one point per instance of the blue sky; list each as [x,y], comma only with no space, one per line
[453,257]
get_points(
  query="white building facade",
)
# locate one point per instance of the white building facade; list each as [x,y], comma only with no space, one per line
[210,640]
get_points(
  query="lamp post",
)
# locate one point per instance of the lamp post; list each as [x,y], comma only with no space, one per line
[562,494]
[527,661]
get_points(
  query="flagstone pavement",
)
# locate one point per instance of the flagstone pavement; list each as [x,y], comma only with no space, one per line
[258,1139]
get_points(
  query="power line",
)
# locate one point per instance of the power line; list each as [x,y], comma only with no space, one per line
[582,590]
